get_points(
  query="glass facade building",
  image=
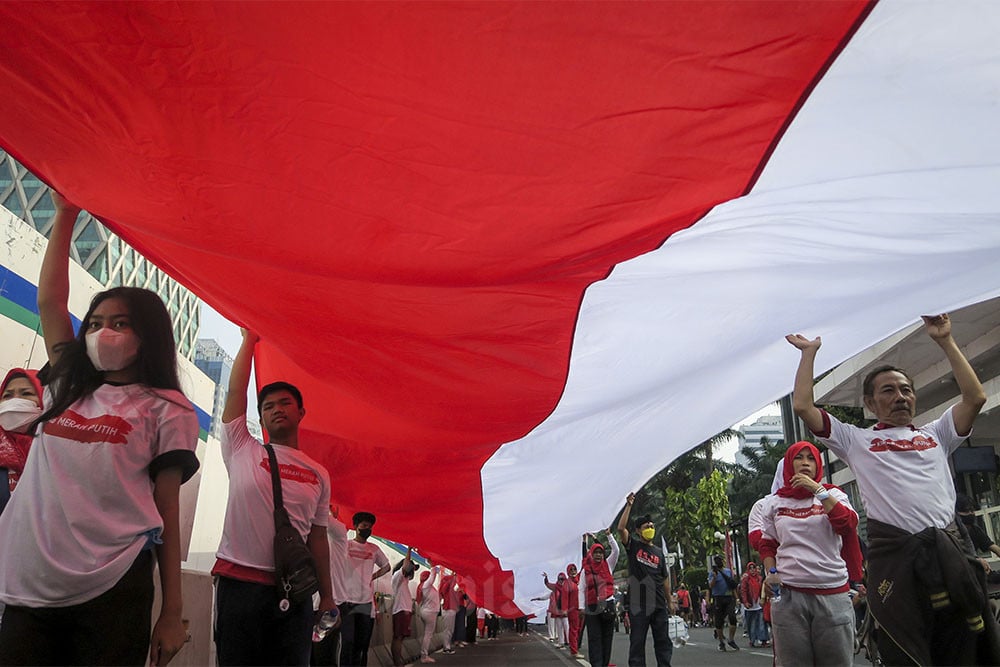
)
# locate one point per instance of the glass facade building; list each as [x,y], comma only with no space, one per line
[216,364]
[105,256]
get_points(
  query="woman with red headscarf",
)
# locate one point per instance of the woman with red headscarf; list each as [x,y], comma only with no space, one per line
[597,585]
[803,532]
[558,609]
[20,405]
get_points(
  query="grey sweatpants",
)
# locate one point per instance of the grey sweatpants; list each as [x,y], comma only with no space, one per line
[812,629]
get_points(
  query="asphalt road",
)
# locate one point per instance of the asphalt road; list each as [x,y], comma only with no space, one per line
[510,650]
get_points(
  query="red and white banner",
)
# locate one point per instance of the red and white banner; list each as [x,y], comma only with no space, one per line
[520,256]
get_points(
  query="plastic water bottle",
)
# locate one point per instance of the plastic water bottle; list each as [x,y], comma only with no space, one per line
[775,588]
[328,621]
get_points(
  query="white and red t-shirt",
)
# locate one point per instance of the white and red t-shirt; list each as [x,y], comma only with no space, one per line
[362,561]
[430,599]
[902,471]
[248,529]
[808,554]
[336,535]
[84,507]
[402,597]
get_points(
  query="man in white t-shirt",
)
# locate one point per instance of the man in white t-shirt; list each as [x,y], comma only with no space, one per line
[365,563]
[326,653]
[906,486]
[402,605]
[251,627]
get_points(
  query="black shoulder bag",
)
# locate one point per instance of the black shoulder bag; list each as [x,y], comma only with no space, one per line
[294,567]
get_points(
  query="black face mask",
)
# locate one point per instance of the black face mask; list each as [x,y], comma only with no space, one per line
[968,519]
[364,533]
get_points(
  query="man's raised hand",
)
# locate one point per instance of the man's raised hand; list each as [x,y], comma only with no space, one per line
[937,326]
[803,343]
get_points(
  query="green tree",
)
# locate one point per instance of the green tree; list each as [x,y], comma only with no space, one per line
[753,481]
[678,502]
[713,508]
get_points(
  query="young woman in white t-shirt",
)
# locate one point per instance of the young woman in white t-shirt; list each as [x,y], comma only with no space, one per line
[100,490]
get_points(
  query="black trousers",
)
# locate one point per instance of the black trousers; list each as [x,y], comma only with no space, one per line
[600,635]
[458,634]
[111,629]
[250,628]
[356,625]
[663,648]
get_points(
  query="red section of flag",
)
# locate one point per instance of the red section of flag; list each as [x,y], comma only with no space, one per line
[407,201]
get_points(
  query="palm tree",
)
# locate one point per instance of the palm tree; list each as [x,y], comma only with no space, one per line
[751,483]
[709,446]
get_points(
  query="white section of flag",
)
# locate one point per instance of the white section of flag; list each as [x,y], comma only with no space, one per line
[880,204]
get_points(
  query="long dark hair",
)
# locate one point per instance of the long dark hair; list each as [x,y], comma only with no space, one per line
[73,376]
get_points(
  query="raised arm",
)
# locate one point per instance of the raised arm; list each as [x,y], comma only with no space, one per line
[239,378]
[623,521]
[615,551]
[405,562]
[433,578]
[53,281]
[938,327]
[802,396]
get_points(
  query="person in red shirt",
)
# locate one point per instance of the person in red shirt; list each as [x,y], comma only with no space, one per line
[752,611]
[573,609]
[684,603]
[558,602]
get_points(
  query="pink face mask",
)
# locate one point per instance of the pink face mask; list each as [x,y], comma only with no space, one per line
[111,350]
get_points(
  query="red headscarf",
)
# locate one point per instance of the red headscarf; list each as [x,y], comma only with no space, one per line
[420,589]
[14,446]
[600,582]
[787,490]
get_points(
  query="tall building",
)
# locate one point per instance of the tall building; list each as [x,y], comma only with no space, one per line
[749,435]
[216,364]
[103,255]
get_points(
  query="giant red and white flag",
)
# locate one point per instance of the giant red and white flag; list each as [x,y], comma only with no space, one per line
[520,256]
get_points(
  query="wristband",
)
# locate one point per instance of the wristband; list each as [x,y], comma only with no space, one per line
[822,494]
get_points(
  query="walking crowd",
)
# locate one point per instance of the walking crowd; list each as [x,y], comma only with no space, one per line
[97,444]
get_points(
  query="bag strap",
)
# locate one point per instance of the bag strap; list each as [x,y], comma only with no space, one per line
[279,503]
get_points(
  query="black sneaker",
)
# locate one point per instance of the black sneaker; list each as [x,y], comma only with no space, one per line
[733,645]
[722,647]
